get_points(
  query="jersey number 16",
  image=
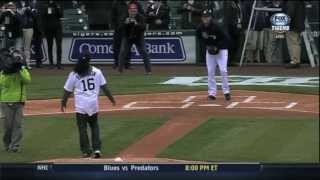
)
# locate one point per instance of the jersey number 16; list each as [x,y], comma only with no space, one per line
[88,84]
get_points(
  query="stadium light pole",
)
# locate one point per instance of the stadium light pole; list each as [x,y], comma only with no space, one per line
[247,34]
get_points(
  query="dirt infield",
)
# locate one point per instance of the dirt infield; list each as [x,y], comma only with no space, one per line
[187,110]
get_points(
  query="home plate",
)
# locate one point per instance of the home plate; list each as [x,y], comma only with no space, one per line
[209,105]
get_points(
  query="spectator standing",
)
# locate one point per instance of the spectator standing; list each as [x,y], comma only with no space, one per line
[255,45]
[191,14]
[52,25]
[273,46]
[296,11]
[37,34]
[232,22]
[158,15]
[28,22]
[12,21]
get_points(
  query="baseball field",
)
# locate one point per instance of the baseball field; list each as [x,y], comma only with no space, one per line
[273,117]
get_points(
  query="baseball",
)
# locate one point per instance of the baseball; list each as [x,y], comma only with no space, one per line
[118,159]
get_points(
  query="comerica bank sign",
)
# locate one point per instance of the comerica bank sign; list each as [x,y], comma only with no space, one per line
[160,49]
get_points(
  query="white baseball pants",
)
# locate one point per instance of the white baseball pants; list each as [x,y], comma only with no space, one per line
[220,59]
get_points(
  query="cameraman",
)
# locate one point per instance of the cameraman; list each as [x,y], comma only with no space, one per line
[13,26]
[13,79]
[132,30]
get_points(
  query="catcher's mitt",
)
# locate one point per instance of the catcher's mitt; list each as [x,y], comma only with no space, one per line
[214,50]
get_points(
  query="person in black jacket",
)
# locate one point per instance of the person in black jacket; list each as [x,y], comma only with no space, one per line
[273,51]
[37,34]
[232,22]
[28,21]
[191,13]
[12,21]
[217,43]
[118,14]
[255,43]
[297,12]
[158,15]
[132,30]
[53,30]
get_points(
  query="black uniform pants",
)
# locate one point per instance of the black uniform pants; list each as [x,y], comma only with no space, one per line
[50,36]
[82,121]
[126,45]
[37,42]
[116,49]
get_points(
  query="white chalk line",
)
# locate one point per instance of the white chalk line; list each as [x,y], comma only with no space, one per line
[159,102]
[188,99]
[249,99]
[129,105]
[291,105]
[187,105]
[280,102]
[71,112]
[232,105]
[278,109]
[209,105]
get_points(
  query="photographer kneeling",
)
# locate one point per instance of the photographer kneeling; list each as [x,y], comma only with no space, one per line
[13,79]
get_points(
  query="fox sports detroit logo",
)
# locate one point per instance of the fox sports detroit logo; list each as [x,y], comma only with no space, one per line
[280,23]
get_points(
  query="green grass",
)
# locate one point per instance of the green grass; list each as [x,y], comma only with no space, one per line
[250,140]
[51,86]
[57,137]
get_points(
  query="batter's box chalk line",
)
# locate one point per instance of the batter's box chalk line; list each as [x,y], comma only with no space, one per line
[186,103]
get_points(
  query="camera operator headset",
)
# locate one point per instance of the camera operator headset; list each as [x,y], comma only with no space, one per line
[12,26]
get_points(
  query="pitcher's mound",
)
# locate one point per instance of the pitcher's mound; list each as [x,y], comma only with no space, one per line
[119,160]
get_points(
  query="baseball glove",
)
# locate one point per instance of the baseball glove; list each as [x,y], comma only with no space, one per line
[213,50]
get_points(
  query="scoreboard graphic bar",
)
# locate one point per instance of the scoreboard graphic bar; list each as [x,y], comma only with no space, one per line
[159,171]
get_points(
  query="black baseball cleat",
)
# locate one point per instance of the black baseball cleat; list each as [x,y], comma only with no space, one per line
[211,97]
[97,154]
[227,97]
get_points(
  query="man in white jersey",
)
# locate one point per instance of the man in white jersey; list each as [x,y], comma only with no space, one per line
[85,82]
